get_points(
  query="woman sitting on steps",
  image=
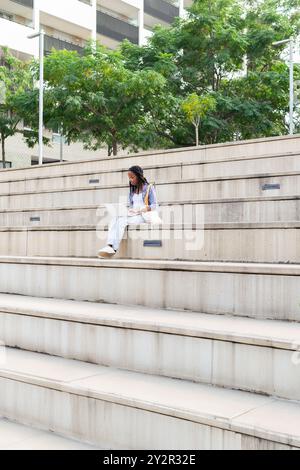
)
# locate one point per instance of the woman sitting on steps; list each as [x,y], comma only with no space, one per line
[142,208]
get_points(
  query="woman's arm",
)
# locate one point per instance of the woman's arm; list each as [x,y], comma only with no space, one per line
[129,201]
[152,200]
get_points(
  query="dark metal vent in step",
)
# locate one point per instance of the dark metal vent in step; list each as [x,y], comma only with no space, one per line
[267,186]
[154,243]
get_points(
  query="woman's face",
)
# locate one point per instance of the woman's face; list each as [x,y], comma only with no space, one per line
[132,178]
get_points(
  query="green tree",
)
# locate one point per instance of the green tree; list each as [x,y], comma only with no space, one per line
[196,108]
[213,43]
[15,79]
[268,21]
[99,101]
[225,47]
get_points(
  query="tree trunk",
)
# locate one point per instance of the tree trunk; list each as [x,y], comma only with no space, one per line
[115,147]
[197,134]
[3,149]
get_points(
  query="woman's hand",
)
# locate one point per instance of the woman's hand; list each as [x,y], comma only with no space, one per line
[145,209]
[139,211]
[132,212]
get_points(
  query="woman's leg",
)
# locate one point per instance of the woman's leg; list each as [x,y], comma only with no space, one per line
[117,228]
[136,219]
[116,231]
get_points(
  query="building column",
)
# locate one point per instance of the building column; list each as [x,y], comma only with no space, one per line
[36,25]
[36,15]
[141,22]
[181,8]
[94,16]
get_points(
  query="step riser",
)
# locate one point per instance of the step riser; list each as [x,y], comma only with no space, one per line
[210,361]
[225,212]
[15,436]
[173,173]
[242,167]
[204,154]
[252,245]
[115,426]
[290,185]
[244,294]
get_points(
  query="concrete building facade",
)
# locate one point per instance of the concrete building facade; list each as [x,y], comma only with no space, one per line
[70,23]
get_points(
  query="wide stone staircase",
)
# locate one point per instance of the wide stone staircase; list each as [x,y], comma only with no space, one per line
[190,337]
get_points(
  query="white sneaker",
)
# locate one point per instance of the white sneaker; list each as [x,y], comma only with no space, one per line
[106,252]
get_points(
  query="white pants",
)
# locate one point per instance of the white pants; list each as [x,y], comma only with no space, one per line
[117,228]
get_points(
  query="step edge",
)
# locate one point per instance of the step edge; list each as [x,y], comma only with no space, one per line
[164,203]
[273,342]
[161,265]
[159,183]
[153,167]
[183,413]
[264,140]
[289,225]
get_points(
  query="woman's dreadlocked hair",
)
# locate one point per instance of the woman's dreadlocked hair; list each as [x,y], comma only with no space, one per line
[138,171]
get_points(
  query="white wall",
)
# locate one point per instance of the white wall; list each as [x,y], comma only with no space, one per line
[71,11]
[14,36]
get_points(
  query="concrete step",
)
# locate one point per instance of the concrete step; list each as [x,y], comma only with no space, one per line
[245,289]
[269,243]
[159,173]
[221,188]
[118,409]
[241,210]
[15,436]
[222,351]
[282,145]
